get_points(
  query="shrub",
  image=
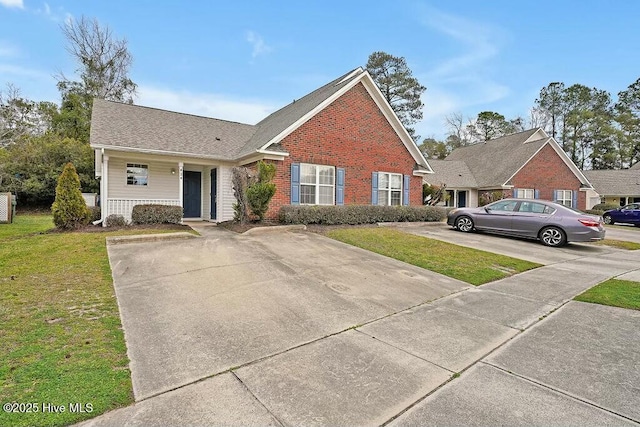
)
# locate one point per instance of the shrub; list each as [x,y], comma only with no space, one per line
[604,207]
[69,208]
[593,212]
[259,193]
[115,220]
[490,196]
[240,178]
[358,214]
[95,213]
[156,214]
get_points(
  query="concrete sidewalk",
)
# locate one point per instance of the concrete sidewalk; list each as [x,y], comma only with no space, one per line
[524,355]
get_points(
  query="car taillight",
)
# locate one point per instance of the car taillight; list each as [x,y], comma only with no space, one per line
[589,222]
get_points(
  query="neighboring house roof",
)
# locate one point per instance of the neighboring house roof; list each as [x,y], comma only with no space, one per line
[625,182]
[137,128]
[494,163]
[143,129]
[453,173]
[635,167]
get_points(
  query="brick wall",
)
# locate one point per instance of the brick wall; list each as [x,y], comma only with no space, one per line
[547,172]
[351,133]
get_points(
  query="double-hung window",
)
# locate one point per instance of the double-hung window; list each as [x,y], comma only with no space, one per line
[524,193]
[564,197]
[317,184]
[389,189]
[137,174]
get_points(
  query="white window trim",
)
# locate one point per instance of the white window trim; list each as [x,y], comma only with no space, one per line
[527,193]
[136,165]
[317,185]
[561,199]
[388,189]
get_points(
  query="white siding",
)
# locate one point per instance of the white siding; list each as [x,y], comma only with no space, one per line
[162,183]
[225,194]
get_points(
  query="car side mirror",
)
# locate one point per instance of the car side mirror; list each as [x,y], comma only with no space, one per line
[486,209]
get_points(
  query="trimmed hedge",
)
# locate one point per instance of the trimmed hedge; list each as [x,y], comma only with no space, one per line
[156,214]
[594,212]
[358,214]
[115,220]
[95,213]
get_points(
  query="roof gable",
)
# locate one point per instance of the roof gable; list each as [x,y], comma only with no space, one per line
[280,124]
[494,163]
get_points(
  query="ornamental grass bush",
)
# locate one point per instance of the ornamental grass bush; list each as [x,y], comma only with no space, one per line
[156,214]
[358,214]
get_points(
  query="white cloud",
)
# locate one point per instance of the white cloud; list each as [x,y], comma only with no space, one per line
[7,50]
[17,70]
[465,80]
[54,15]
[205,104]
[258,44]
[12,3]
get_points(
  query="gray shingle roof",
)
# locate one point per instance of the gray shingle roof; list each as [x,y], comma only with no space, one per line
[132,126]
[624,182]
[635,167]
[272,125]
[137,127]
[493,162]
[453,173]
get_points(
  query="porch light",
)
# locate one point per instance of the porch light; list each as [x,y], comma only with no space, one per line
[173,171]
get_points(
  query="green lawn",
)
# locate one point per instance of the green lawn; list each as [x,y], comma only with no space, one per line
[618,293]
[61,340]
[621,244]
[469,265]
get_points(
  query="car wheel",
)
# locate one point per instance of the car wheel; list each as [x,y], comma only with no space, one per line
[553,236]
[464,223]
[607,219]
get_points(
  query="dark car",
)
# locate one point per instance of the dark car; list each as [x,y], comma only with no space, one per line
[551,223]
[629,214]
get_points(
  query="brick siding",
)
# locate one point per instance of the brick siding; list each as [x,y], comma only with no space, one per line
[351,133]
[547,172]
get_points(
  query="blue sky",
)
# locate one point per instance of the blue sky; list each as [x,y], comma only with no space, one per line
[241,60]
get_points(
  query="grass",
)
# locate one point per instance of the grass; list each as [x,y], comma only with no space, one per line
[61,339]
[614,292]
[621,244]
[469,265]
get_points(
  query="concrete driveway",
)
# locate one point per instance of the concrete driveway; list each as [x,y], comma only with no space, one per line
[283,328]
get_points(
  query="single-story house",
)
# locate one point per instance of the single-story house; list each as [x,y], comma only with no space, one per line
[527,164]
[340,144]
[616,187]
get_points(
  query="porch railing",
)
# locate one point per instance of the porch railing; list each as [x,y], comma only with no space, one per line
[124,207]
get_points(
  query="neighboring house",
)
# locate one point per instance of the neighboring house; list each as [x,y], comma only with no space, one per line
[340,144]
[527,164]
[635,167]
[616,187]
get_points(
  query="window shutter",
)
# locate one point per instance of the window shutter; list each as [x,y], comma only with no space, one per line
[405,190]
[514,192]
[374,188]
[574,199]
[295,183]
[536,194]
[339,186]
[555,195]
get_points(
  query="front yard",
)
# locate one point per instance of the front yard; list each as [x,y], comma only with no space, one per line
[469,265]
[61,341]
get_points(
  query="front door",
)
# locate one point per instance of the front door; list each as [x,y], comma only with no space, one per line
[214,193]
[192,193]
[462,199]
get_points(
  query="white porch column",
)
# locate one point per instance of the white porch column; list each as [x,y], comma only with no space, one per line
[104,190]
[181,188]
[455,198]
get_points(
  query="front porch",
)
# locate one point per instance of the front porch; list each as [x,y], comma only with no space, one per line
[202,188]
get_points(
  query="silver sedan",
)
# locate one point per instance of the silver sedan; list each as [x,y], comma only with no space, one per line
[551,223]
